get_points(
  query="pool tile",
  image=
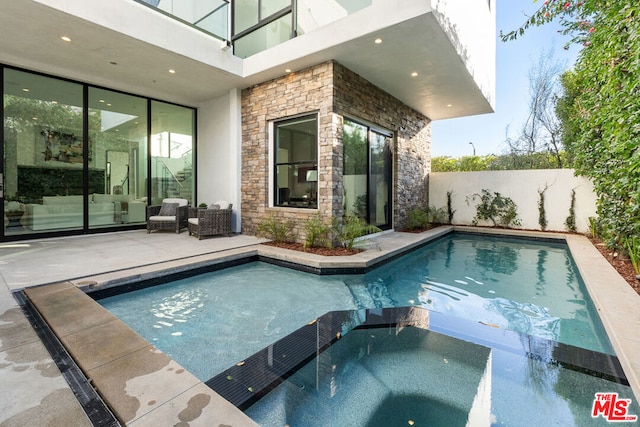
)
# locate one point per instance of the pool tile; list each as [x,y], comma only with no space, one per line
[135,384]
[104,343]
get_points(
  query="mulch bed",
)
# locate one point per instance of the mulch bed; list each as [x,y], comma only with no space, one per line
[622,265]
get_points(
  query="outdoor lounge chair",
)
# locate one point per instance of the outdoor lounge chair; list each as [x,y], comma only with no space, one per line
[172,215]
[211,221]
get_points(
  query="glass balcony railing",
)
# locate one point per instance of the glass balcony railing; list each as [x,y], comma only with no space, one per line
[211,16]
[256,25]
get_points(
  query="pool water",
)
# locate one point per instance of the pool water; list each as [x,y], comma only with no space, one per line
[211,321]
[411,368]
[526,286]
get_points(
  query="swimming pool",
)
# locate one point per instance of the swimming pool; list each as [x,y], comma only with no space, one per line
[412,366]
[210,321]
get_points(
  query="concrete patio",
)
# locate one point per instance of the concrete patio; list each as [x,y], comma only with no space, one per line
[34,391]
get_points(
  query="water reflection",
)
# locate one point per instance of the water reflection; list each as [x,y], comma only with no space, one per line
[177,309]
[526,286]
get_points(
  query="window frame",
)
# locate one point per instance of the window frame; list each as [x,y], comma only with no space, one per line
[308,164]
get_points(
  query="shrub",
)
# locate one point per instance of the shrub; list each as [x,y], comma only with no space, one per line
[594,227]
[632,246]
[276,230]
[316,232]
[502,211]
[418,218]
[437,215]
[351,228]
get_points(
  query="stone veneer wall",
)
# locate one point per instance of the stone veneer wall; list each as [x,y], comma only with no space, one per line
[357,98]
[333,92]
[304,92]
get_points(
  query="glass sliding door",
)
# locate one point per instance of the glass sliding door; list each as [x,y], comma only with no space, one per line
[367,177]
[43,154]
[379,179]
[355,169]
[77,158]
[118,135]
[172,142]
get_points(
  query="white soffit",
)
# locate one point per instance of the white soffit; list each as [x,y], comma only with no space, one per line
[132,50]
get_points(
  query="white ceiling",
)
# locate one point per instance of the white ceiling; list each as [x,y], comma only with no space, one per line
[30,38]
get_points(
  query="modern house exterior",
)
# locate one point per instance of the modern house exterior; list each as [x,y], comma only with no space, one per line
[283,107]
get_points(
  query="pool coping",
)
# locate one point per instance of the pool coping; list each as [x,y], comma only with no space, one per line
[608,290]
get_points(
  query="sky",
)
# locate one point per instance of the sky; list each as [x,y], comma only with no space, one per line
[514,59]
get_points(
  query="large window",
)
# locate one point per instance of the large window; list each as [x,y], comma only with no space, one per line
[118,134]
[172,137]
[43,155]
[296,162]
[261,24]
[76,157]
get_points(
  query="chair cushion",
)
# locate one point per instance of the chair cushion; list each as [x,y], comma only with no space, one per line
[193,221]
[213,206]
[222,203]
[168,209]
[162,218]
[180,202]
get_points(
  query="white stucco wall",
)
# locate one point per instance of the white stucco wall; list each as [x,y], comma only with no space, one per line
[219,143]
[522,187]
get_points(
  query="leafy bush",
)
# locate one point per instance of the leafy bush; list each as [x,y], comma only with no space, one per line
[418,218]
[276,230]
[594,227]
[502,211]
[351,228]
[437,215]
[316,232]
[632,246]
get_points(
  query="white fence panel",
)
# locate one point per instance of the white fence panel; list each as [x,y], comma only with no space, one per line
[522,186]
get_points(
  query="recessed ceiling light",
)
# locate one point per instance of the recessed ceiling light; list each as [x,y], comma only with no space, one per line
[25,89]
[414,74]
[377,41]
[108,104]
[102,100]
[449,105]
[172,71]
[66,38]
[288,70]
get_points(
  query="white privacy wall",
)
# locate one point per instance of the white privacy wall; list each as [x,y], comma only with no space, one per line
[522,187]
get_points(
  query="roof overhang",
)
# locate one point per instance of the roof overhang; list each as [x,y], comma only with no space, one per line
[127,47]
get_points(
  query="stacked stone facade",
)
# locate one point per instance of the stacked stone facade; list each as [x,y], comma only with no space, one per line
[333,92]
